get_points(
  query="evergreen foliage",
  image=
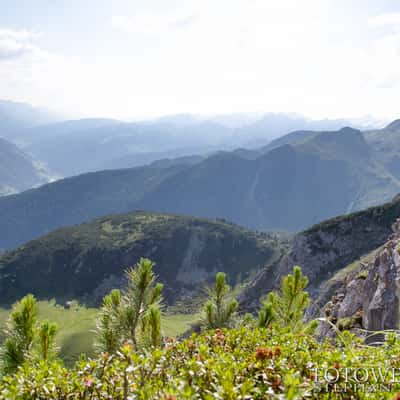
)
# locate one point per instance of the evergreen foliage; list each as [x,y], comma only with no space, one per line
[220,309]
[20,334]
[287,306]
[46,335]
[265,315]
[24,338]
[133,315]
[108,334]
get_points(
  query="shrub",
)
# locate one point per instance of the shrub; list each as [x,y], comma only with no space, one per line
[225,364]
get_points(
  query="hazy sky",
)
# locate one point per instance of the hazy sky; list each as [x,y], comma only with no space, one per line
[130,59]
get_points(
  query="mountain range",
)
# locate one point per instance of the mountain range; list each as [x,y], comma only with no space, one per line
[290,184]
[166,189]
[84,262]
[77,146]
[18,116]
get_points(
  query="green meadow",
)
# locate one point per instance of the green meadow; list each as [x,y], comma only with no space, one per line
[76,326]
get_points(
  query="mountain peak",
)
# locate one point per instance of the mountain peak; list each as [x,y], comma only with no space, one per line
[348,129]
[393,126]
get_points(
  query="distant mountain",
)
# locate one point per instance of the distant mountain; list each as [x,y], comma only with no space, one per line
[85,262]
[292,138]
[16,116]
[74,147]
[386,145]
[18,171]
[75,128]
[271,126]
[74,200]
[287,188]
[165,158]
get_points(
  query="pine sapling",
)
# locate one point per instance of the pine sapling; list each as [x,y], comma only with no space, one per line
[220,309]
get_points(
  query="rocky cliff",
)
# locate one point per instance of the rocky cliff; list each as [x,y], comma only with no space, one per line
[368,296]
[326,248]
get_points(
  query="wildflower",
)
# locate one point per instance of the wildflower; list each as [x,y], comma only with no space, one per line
[88,381]
[276,384]
[336,365]
[263,353]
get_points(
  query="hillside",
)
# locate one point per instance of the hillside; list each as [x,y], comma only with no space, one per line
[85,262]
[64,263]
[325,249]
[288,189]
[74,200]
[18,171]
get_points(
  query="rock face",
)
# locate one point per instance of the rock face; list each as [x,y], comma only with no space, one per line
[369,295]
[326,248]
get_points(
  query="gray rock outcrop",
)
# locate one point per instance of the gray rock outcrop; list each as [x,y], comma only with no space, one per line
[323,250]
[369,295]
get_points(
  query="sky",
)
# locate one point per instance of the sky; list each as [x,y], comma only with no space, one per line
[134,59]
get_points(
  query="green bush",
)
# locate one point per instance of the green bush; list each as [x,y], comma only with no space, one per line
[280,359]
[223,364]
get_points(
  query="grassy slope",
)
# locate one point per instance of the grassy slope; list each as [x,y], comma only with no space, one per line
[76,325]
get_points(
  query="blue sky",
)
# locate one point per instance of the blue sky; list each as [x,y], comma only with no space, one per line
[134,59]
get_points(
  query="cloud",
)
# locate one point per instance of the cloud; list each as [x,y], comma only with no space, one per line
[152,24]
[388,19]
[15,44]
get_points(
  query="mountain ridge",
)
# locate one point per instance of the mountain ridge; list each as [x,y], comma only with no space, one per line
[289,187]
[86,261]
